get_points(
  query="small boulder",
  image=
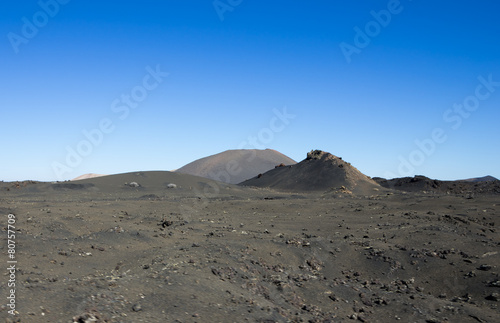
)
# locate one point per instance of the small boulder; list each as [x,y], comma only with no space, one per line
[493,297]
[484,267]
[133,184]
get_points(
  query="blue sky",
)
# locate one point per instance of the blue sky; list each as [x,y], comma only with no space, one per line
[368,97]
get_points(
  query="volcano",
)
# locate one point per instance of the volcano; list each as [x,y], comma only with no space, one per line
[235,166]
[320,171]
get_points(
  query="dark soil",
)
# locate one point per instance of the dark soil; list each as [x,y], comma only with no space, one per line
[212,252]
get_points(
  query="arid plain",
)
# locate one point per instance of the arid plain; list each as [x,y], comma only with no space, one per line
[316,241]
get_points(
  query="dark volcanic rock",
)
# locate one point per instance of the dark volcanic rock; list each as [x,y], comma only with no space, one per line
[320,171]
[421,183]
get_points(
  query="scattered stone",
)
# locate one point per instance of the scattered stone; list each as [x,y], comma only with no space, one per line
[494,283]
[315,264]
[493,297]
[137,308]
[171,185]
[133,184]
[361,318]
[165,223]
[477,318]
[86,318]
[225,273]
[333,298]
[298,242]
[470,274]
[484,267]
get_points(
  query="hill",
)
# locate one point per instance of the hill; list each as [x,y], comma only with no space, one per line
[320,171]
[481,179]
[235,166]
[87,176]
[421,183]
[145,182]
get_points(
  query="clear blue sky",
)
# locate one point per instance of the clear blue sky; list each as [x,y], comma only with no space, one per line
[365,97]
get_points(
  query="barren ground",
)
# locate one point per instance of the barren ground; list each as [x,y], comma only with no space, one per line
[151,254]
